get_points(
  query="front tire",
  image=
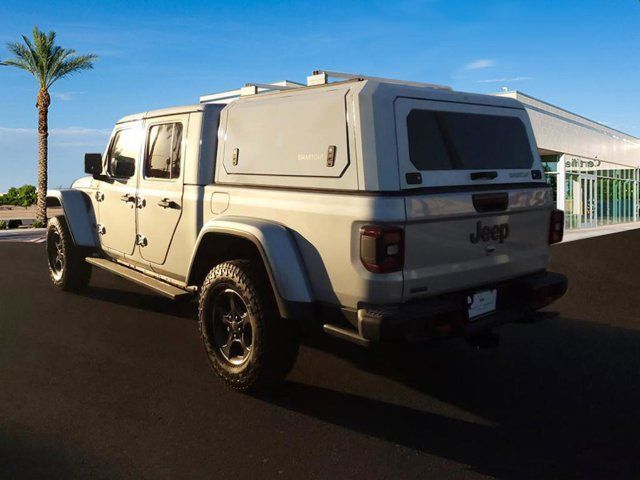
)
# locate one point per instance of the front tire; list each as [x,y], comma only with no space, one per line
[249,345]
[68,269]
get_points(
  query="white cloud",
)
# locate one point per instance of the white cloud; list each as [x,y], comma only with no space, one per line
[8,132]
[67,145]
[65,96]
[81,144]
[80,131]
[505,79]
[16,131]
[479,64]
[25,139]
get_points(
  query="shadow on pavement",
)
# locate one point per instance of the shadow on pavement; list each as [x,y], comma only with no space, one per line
[561,396]
[565,408]
[26,457]
[20,458]
[142,301]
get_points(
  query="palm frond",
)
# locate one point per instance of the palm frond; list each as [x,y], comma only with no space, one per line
[35,57]
[45,60]
[18,63]
[70,65]
[58,57]
[22,58]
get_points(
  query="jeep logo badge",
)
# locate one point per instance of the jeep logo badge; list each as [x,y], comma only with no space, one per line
[486,233]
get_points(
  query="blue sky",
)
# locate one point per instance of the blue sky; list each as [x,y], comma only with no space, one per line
[581,55]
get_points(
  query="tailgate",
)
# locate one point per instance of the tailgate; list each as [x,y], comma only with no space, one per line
[462,240]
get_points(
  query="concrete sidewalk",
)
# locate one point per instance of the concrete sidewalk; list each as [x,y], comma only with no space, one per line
[30,235]
[26,214]
[581,234]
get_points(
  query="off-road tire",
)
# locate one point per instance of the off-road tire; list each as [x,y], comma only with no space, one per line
[275,343]
[74,272]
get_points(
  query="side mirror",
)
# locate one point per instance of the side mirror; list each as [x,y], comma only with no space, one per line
[93,163]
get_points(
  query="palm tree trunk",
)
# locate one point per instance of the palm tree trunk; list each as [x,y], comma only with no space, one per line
[44,100]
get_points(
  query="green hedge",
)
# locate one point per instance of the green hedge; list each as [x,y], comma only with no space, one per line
[23,196]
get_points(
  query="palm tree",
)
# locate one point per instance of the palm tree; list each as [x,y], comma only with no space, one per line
[47,62]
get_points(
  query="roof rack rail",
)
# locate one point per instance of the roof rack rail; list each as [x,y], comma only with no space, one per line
[318,77]
[249,89]
[321,77]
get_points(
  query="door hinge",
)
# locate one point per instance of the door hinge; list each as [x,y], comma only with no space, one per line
[100,229]
[99,196]
[141,202]
[141,240]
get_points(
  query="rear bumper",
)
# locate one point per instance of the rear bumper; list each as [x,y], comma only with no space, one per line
[448,314]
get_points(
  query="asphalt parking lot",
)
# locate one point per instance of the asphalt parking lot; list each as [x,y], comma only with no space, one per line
[113,383]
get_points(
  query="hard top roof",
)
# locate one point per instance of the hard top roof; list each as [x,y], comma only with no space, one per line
[198,107]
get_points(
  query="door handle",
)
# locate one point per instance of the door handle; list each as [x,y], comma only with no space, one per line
[166,203]
[127,197]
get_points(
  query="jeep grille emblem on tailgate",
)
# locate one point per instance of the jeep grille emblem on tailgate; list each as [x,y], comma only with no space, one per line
[486,233]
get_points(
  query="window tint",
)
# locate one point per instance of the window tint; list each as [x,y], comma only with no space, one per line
[465,141]
[123,153]
[163,151]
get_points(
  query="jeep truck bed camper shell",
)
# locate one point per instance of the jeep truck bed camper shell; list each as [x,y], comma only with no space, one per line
[382,209]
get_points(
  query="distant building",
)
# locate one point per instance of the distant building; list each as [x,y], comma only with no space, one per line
[593,169]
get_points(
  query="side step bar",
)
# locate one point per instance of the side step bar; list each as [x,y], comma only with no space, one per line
[344,334]
[127,273]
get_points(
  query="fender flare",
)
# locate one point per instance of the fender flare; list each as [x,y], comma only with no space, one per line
[281,257]
[79,214]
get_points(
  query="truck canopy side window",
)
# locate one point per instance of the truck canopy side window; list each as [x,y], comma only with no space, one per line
[123,153]
[162,159]
[441,140]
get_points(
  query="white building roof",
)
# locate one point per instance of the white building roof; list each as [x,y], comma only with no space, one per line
[560,131]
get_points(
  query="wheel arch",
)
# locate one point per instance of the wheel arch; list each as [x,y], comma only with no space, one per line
[271,244]
[79,215]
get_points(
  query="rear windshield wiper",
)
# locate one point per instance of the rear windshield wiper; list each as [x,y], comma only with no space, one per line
[483,175]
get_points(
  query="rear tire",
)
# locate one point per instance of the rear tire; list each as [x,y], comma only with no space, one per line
[249,346]
[68,269]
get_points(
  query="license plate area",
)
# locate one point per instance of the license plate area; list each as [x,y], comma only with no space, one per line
[481,303]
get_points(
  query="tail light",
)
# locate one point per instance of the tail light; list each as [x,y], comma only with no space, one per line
[556,229]
[382,248]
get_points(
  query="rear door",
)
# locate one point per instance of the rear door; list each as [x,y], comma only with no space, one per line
[160,186]
[477,204]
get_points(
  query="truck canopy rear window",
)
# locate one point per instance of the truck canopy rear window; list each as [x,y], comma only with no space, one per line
[440,140]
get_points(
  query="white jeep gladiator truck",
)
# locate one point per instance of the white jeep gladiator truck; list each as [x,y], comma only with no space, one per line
[376,208]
